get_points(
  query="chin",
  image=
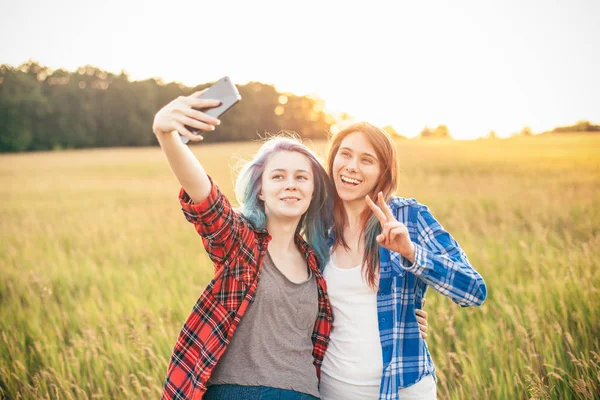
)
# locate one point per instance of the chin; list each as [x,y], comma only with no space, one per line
[292,213]
[347,195]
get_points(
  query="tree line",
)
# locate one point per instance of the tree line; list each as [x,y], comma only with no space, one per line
[581,126]
[41,109]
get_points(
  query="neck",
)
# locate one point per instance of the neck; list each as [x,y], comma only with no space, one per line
[354,210]
[282,235]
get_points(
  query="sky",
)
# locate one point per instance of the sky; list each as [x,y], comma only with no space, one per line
[473,65]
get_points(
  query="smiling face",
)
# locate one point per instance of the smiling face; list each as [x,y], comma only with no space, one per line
[287,185]
[356,168]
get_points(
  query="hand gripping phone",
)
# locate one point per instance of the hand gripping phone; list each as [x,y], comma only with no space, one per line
[223,90]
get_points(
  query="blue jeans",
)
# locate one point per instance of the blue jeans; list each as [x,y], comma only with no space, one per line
[237,392]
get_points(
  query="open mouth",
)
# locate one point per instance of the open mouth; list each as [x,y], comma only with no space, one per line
[290,200]
[350,181]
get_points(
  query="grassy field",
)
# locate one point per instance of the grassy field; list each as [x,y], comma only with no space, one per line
[99,269]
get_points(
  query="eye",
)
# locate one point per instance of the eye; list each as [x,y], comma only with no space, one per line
[303,177]
[277,176]
[345,154]
[367,161]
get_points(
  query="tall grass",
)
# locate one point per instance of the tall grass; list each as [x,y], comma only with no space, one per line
[99,269]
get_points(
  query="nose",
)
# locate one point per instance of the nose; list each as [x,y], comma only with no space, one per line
[290,184]
[352,164]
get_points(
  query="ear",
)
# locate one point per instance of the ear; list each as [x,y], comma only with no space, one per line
[261,196]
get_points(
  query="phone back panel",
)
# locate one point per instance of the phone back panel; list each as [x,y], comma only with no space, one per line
[223,90]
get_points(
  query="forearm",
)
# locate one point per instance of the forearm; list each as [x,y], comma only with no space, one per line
[186,167]
[451,276]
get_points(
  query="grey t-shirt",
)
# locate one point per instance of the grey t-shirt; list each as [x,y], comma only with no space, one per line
[272,345]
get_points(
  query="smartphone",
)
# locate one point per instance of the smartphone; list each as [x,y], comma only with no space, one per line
[223,90]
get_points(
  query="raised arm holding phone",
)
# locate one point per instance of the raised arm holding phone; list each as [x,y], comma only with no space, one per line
[169,124]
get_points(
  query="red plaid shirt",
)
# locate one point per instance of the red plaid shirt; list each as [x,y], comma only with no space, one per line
[237,251]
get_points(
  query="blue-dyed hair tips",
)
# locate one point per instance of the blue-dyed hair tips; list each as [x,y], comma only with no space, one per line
[317,220]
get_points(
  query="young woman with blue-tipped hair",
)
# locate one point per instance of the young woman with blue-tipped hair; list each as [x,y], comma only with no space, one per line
[251,338]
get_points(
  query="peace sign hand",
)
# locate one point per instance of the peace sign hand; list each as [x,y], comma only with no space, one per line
[394,234]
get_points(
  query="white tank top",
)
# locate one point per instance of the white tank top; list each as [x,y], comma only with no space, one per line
[354,352]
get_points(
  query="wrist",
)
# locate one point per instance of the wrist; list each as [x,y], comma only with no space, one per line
[409,253]
[162,135]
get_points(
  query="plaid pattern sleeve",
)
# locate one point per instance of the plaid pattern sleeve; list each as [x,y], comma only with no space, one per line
[439,262]
[236,253]
[443,265]
[219,225]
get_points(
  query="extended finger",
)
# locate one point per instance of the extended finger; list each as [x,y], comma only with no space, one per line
[200,116]
[385,208]
[395,231]
[194,123]
[183,131]
[376,210]
[203,103]
[385,233]
[198,93]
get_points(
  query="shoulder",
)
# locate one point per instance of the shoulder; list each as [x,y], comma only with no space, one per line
[309,254]
[214,197]
[398,203]
[408,209]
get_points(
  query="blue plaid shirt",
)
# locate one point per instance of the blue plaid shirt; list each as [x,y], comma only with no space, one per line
[440,263]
